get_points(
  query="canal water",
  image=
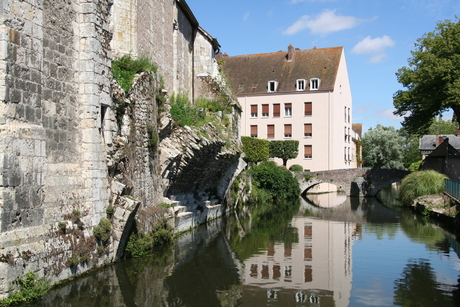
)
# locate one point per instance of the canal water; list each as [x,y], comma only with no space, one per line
[326,250]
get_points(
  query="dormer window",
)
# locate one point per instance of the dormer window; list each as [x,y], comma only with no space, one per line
[314,83]
[272,85]
[300,84]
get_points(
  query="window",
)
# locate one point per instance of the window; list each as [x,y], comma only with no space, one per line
[288,109]
[272,86]
[345,113]
[240,86]
[265,110]
[314,83]
[346,136]
[254,85]
[348,115]
[307,151]
[253,111]
[307,108]
[345,154]
[288,131]
[254,131]
[270,131]
[300,84]
[307,130]
[349,136]
[276,110]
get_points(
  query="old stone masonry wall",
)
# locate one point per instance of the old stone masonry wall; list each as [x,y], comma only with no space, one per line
[54,85]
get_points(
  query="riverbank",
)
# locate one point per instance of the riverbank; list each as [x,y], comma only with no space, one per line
[442,207]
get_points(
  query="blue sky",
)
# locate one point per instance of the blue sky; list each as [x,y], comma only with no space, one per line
[378,37]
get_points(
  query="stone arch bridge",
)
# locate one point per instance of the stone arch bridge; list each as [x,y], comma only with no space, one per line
[354,182]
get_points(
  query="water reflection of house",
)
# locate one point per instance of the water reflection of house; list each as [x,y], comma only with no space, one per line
[317,269]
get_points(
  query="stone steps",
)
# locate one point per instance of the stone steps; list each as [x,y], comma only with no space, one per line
[191,211]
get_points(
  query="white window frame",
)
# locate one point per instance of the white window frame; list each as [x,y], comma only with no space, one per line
[275,86]
[287,111]
[300,84]
[314,84]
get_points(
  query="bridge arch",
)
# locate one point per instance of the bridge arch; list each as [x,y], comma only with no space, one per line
[354,182]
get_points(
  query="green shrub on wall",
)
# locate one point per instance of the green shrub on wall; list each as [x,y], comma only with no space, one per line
[125,68]
[255,150]
[296,168]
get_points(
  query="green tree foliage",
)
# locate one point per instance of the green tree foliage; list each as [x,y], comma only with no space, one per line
[421,183]
[432,78]
[277,181]
[440,126]
[255,150]
[285,150]
[383,148]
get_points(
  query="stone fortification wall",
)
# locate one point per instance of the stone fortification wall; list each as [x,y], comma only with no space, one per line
[162,31]
[73,144]
[54,85]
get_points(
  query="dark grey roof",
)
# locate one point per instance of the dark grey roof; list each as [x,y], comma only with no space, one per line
[428,143]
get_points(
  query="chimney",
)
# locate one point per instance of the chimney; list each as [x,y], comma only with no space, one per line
[439,140]
[290,54]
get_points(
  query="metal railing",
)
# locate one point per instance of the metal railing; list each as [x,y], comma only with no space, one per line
[452,188]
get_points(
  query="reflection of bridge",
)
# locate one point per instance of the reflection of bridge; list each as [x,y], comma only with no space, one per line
[354,182]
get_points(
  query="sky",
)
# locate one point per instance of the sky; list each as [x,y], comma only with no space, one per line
[377,35]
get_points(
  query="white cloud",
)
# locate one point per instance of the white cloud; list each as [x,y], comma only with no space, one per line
[246,16]
[325,22]
[378,58]
[388,114]
[373,45]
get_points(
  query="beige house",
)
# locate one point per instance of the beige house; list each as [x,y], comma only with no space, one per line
[299,95]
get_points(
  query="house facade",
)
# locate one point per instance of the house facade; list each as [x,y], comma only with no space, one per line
[299,95]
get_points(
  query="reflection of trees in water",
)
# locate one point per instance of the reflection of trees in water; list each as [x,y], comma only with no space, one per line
[419,230]
[418,287]
[262,227]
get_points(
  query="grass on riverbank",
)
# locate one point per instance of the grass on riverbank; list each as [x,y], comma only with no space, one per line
[421,183]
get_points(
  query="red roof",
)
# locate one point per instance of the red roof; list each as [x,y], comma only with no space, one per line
[250,74]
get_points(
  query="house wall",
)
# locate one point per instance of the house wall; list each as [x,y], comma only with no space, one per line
[328,120]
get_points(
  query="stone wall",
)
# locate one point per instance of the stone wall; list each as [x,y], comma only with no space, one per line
[73,144]
[55,83]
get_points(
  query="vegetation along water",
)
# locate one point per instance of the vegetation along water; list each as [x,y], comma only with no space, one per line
[325,250]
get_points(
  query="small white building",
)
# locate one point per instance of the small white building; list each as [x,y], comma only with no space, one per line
[299,95]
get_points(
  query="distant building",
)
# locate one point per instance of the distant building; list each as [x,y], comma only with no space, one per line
[441,153]
[299,95]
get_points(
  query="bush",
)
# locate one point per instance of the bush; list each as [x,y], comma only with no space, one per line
[29,288]
[421,183]
[110,211]
[296,168]
[102,230]
[184,113]
[275,180]
[125,68]
[255,150]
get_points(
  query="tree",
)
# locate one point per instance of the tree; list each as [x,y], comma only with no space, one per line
[255,150]
[383,148]
[285,150]
[432,78]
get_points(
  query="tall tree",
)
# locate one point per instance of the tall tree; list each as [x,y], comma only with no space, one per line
[285,150]
[432,78]
[383,148]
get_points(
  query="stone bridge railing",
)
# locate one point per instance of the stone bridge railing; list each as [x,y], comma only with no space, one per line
[354,182]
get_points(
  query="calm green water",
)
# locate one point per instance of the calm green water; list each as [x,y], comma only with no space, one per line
[327,251]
